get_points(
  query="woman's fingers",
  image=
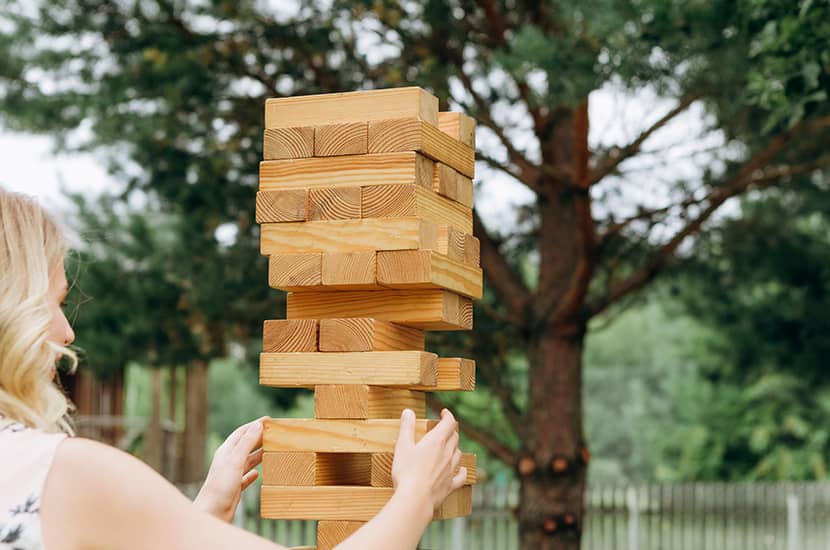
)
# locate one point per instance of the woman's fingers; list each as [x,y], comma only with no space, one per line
[251,439]
[249,478]
[406,436]
[254,459]
[456,459]
[459,479]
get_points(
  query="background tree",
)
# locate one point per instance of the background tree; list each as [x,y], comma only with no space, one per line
[175,90]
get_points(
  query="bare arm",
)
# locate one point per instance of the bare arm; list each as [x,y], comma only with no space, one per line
[97,497]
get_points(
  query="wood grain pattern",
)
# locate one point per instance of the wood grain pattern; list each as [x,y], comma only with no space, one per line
[403,201]
[332,533]
[423,309]
[285,468]
[290,335]
[349,138]
[288,143]
[409,134]
[336,436]
[322,109]
[287,205]
[404,168]
[464,189]
[346,503]
[348,236]
[458,126]
[451,242]
[472,250]
[446,181]
[311,468]
[454,374]
[381,469]
[295,271]
[422,269]
[363,402]
[334,203]
[363,334]
[350,270]
[386,368]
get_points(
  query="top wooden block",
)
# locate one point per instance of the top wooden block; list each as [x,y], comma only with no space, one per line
[324,109]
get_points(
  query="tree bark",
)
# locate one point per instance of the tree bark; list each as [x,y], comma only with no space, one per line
[551,511]
[194,437]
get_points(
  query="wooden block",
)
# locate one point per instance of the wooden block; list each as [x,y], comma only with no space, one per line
[310,468]
[287,205]
[451,242]
[350,271]
[385,368]
[428,269]
[362,334]
[381,475]
[287,335]
[454,374]
[423,309]
[288,143]
[334,203]
[472,251]
[336,436]
[449,183]
[295,271]
[348,236]
[458,126]
[283,468]
[362,402]
[445,181]
[409,134]
[404,201]
[322,109]
[346,503]
[404,168]
[332,533]
[464,189]
[349,138]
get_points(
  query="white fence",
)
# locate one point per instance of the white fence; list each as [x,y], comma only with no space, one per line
[682,516]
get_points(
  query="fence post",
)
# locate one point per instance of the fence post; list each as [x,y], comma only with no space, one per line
[633,519]
[793,524]
[459,526]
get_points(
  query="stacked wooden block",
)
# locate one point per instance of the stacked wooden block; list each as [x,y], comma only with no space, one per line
[365,202]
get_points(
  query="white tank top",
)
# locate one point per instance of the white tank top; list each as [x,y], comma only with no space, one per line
[25,458]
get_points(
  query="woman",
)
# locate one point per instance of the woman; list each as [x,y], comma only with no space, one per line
[66,493]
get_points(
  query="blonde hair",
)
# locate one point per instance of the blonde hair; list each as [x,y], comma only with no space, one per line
[32,247]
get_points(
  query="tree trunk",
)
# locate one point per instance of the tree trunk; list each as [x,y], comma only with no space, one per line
[551,510]
[195,423]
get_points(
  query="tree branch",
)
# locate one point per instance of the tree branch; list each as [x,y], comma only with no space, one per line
[501,276]
[493,446]
[528,170]
[649,215]
[617,156]
[751,173]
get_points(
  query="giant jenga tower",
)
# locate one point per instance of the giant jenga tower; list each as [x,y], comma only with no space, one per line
[365,201]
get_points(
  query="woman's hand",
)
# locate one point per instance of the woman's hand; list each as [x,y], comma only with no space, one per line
[232,471]
[425,470]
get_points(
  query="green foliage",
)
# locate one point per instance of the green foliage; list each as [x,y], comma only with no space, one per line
[763,286]
[790,73]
